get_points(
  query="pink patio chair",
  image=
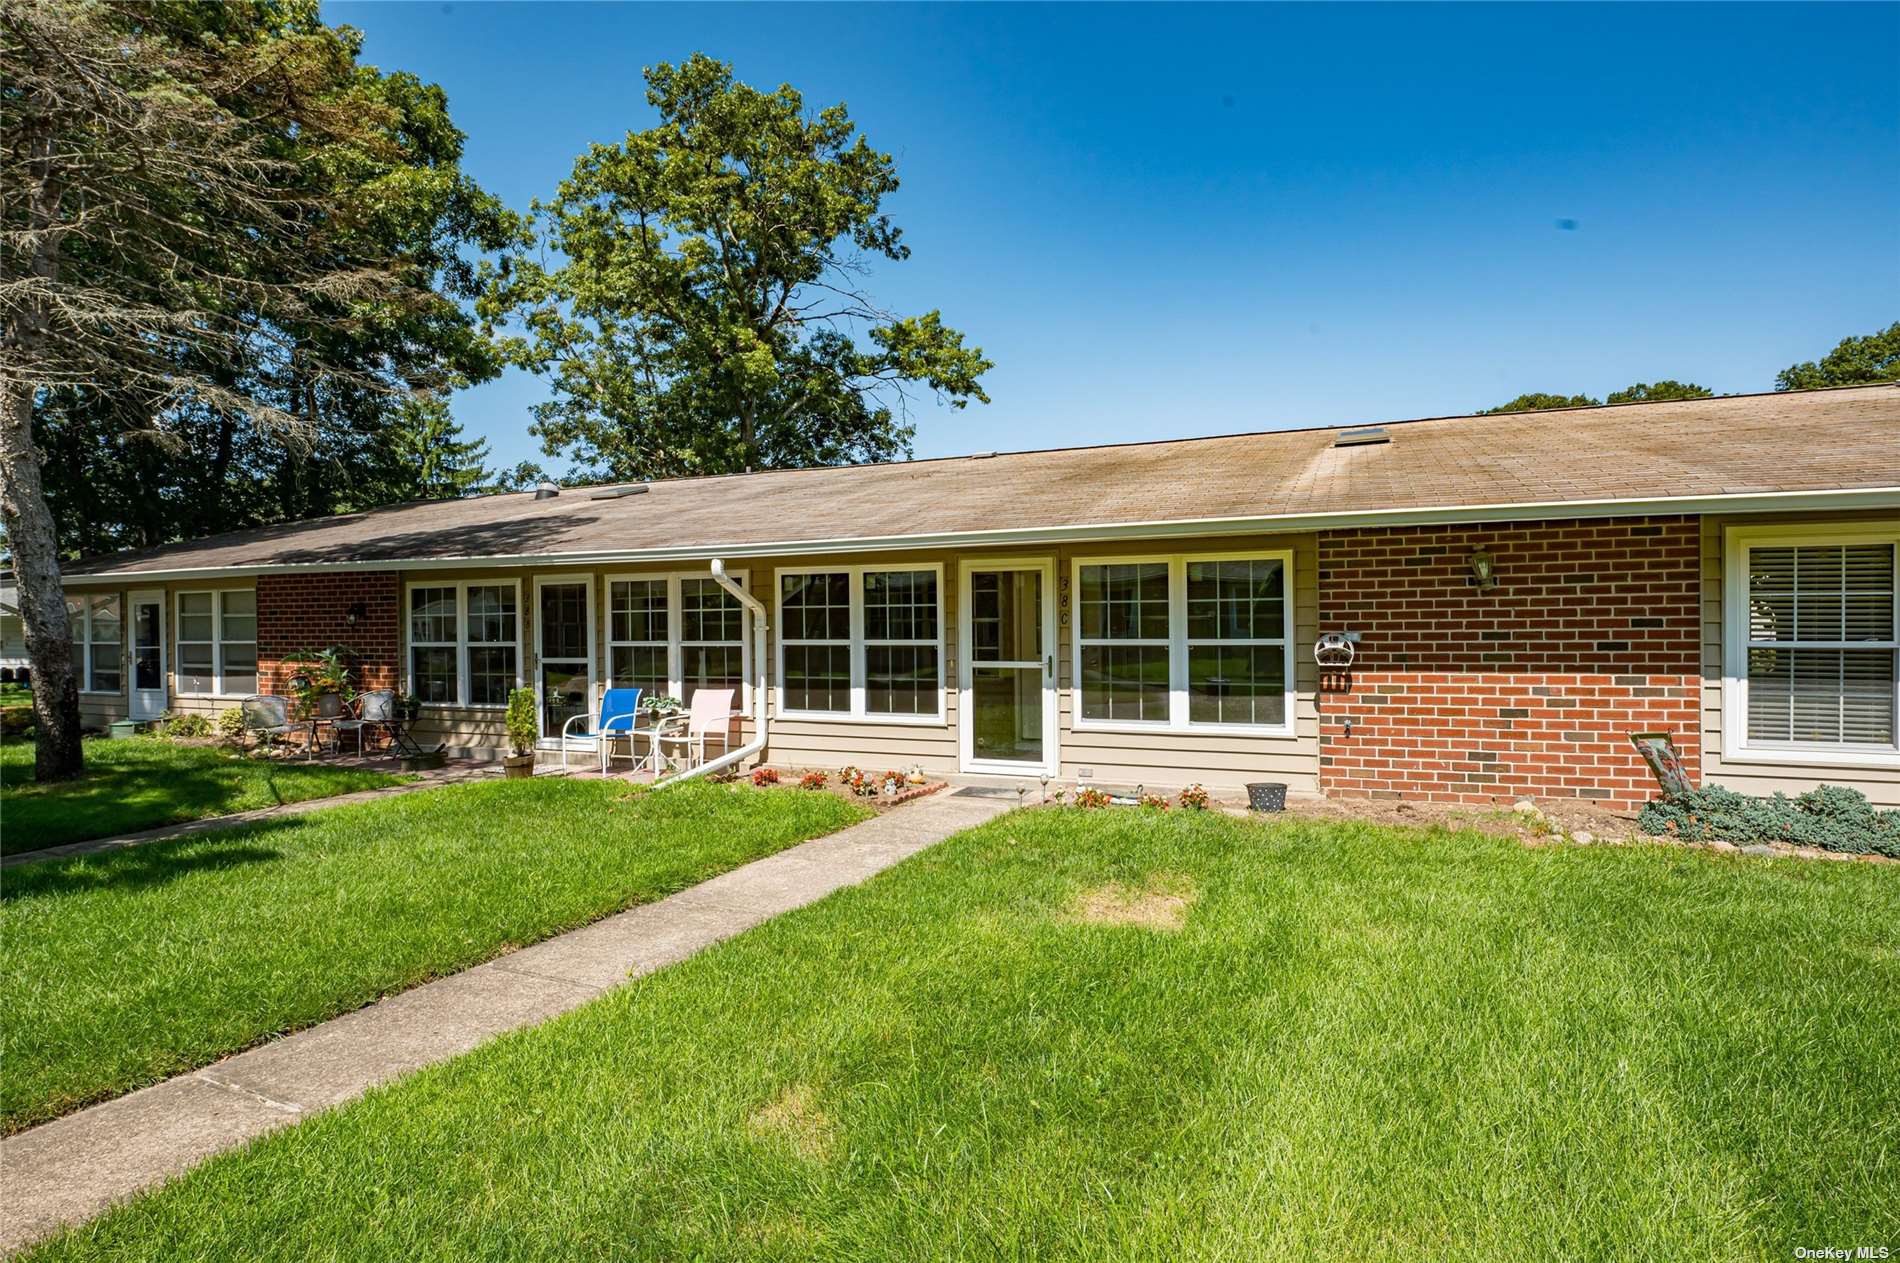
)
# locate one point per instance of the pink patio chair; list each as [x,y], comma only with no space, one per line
[710,715]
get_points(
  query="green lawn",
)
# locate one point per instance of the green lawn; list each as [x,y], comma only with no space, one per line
[15,697]
[141,783]
[121,968]
[1360,1043]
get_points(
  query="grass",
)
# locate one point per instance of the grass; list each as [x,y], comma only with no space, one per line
[121,968]
[1375,1043]
[15,697]
[141,783]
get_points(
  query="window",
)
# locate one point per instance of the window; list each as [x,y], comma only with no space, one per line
[1125,642]
[712,639]
[217,642]
[676,634]
[862,642]
[96,641]
[1184,643]
[1236,643]
[902,671]
[815,642]
[639,635]
[464,643]
[1817,642]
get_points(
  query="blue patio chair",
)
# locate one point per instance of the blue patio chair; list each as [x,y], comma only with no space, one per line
[619,710]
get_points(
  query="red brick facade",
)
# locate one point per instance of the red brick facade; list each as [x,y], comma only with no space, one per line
[298,612]
[1531,688]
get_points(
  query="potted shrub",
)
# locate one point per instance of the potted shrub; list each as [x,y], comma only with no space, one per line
[522,731]
[411,707]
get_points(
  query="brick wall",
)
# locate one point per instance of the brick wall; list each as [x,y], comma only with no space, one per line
[1529,689]
[297,612]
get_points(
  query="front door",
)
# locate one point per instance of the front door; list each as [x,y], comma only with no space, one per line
[564,637]
[1007,711]
[147,697]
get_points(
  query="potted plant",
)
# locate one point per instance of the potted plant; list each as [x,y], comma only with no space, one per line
[522,731]
[318,672]
[411,707]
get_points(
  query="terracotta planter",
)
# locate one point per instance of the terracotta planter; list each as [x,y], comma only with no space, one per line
[517,766]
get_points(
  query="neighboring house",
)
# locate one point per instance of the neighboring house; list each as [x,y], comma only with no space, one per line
[12,630]
[1722,570]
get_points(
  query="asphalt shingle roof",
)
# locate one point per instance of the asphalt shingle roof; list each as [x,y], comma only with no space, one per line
[1798,441]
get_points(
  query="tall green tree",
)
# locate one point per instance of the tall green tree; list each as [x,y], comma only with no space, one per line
[196,252]
[704,310]
[1856,361]
[425,456]
[1653,392]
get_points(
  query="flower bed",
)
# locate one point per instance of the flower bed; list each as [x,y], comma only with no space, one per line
[1831,818]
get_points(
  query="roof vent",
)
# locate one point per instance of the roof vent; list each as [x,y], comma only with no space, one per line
[1362,438]
[982,455]
[546,489]
[615,493]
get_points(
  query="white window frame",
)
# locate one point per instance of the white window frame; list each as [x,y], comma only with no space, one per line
[857,714]
[461,587]
[1736,543]
[1177,642]
[676,645]
[82,623]
[217,642]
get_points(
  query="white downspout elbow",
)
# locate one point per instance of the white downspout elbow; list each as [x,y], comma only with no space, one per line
[756,608]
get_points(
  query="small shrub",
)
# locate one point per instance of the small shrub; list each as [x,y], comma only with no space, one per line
[1159,801]
[1831,818]
[179,727]
[813,780]
[763,776]
[523,726]
[1089,796]
[1193,798]
[231,725]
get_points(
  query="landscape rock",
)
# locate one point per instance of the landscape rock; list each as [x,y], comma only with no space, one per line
[1759,849]
[1720,845]
[1527,807]
[1583,837]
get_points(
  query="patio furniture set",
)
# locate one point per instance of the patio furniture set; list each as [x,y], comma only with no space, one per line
[676,737]
[268,717]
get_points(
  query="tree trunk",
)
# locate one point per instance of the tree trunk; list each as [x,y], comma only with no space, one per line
[57,756]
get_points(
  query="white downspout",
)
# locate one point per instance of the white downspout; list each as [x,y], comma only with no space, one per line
[757,743]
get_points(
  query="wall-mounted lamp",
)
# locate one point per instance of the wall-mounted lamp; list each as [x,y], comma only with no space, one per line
[1484,571]
[356,611]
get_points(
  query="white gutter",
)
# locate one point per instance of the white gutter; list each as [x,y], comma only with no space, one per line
[759,707]
[1864,498]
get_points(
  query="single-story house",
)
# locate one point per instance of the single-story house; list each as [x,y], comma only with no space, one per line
[1520,594]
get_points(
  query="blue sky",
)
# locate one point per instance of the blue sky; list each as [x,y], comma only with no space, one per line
[1165,221]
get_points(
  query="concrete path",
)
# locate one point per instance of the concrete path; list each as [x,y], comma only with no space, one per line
[453,774]
[73,1168]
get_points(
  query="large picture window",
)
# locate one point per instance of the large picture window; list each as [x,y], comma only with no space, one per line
[862,642]
[676,634]
[1822,647]
[1184,643]
[464,643]
[217,642]
[98,639]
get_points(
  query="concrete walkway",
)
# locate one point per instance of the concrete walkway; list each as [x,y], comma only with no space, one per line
[73,1168]
[453,774]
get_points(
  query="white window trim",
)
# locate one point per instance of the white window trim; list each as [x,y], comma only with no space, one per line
[1177,721]
[1736,542]
[216,642]
[676,644]
[84,665]
[858,714]
[461,587]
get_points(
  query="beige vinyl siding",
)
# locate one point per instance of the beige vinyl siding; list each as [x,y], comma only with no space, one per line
[1159,759]
[1880,784]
